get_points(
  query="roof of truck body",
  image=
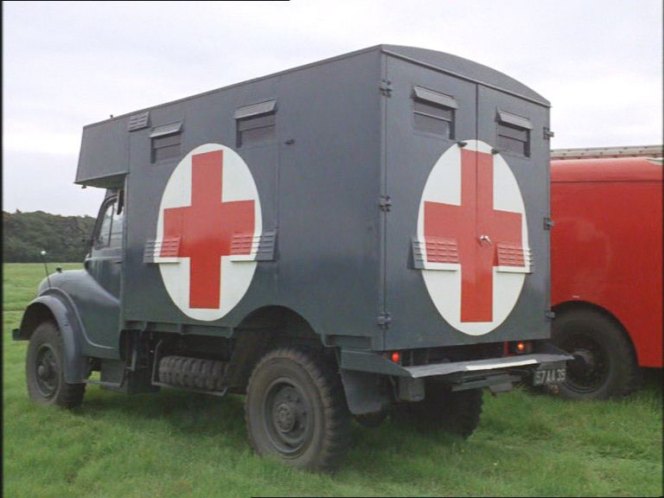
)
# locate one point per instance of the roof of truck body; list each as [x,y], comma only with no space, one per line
[433,59]
[623,169]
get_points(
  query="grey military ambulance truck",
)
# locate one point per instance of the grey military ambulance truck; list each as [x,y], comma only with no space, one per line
[360,236]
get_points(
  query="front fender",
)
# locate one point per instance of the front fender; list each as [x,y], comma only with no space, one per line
[53,307]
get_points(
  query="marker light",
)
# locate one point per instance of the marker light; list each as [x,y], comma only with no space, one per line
[520,347]
[395,357]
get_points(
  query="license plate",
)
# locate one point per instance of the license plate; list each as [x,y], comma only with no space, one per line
[546,376]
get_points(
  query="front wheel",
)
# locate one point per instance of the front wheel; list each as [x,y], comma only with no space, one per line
[604,365]
[45,370]
[296,411]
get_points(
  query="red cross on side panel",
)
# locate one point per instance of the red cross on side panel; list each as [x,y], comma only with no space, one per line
[465,224]
[206,228]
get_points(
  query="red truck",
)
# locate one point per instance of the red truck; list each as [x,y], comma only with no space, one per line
[606,266]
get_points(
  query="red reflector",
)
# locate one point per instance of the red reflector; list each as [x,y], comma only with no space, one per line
[396,357]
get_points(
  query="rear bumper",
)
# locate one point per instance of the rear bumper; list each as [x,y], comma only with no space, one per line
[477,366]
[520,365]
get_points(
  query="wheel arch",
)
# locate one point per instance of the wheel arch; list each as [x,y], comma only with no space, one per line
[364,392]
[280,320]
[51,308]
[265,329]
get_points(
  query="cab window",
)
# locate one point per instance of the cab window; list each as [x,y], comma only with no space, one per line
[109,234]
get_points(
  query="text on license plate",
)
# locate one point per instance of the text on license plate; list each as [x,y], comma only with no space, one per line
[549,376]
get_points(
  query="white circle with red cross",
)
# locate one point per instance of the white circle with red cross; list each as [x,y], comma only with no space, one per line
[473,238]
[208,232]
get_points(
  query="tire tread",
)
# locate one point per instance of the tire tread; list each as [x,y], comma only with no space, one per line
[336,437]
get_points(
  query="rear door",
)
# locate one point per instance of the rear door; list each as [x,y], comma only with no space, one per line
[427,114]
[516,128]
[466,248]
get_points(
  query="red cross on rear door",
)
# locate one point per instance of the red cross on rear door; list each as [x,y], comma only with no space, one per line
[473,226]
[476,227]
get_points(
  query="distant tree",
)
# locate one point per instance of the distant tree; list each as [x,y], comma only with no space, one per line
[25,235]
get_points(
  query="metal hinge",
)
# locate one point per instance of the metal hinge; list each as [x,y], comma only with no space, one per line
[550,315]
[385,88]
[548,223]
[384,320]
[385,203]
[548,133]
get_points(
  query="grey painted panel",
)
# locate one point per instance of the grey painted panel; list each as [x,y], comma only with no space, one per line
[465,69]
[104,152]
[411,156]
[318,190]
[415,322]
[329,161]
[533,176]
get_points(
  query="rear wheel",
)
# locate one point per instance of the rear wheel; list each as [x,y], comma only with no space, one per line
[604,365]
[45,370]
[296,411]
[455,412]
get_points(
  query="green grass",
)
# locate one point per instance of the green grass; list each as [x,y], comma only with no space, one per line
[177,444]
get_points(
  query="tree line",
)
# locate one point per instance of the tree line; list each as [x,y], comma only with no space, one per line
[64,238]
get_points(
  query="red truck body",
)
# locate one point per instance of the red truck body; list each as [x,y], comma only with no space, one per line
[606,245]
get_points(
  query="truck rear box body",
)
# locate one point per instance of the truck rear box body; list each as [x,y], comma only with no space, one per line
[341,182]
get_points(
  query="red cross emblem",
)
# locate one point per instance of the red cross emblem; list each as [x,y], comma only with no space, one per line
[208,231]
[473,236]
[206,228]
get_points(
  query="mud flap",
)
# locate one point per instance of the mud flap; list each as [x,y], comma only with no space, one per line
[365,392]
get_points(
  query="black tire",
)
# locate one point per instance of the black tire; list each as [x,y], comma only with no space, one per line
[371,420]
[455,412]
[604,364]
[296,411]
[44,368]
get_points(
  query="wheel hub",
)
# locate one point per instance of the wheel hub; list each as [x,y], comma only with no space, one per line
[584,361]
[287,417]
[588,370]
[284,417]
[47,371]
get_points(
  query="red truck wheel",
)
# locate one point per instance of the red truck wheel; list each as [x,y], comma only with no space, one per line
[296,411]
[604,365]
[45,370]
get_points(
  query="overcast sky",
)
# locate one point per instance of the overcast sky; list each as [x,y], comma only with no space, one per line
[70,64]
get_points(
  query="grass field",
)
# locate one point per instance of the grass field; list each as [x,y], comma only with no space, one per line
[177,444]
